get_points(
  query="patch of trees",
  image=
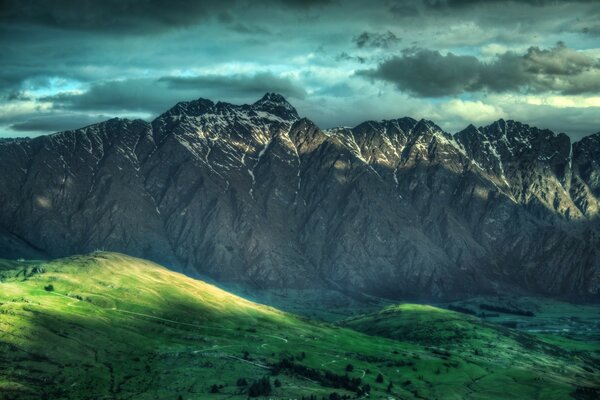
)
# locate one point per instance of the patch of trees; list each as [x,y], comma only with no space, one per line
[261,387]
[442,353]
[332,396]
[215,388]
[327,378]
[400,363]
[336,396]
[488,315]
[461,309]
[506,310]
[586,393]
[368,358]
[451,364]
[509,324]
[29,272]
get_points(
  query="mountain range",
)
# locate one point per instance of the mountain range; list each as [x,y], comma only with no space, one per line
[256,194]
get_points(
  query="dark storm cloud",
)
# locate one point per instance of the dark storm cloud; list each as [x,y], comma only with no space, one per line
[249,29]
[306,3]
[429,73]
[376,40]
[558,61]
[109,15]
[16,95]
[238,85]
[68,59]
[470,3]
[54,123]
[343,56]
[404,9]
[157,95]
[131,95]
[133,16]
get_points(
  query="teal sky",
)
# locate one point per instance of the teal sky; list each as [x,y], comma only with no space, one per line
[66,64]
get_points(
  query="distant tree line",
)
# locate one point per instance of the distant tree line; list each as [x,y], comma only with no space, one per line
[463,310]
[506,310]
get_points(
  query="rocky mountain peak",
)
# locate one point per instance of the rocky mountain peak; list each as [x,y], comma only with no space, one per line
[253,193]
[273,98]
[191,108]
[471,130]
[276,104]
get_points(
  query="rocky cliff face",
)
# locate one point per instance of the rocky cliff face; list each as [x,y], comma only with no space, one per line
[256,194]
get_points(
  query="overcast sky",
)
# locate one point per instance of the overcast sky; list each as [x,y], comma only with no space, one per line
[65,64]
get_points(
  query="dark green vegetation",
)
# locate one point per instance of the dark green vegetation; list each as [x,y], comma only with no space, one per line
[112,326]
[570,326]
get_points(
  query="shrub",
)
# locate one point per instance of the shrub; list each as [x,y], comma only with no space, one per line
[214,389]
[364,390]
[49,288]
[242,382]
[261,387]
[349,368]
[379,378]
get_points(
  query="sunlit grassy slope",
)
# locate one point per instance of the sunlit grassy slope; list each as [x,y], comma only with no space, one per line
[108,326]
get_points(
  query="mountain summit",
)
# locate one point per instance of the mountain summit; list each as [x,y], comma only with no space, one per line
[276,104]
[255,194]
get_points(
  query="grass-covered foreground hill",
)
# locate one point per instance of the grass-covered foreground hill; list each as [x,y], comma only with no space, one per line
[108,326]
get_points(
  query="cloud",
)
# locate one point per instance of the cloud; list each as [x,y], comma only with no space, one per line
[157,95]
[18,95]
[109,16]
[472,111]
[429,73]
[130,94]
[376,40]
[306,3]
[470,3]
[55,123]
[139,57]
[238,85]
[559,60]
[344,56]
[131,16]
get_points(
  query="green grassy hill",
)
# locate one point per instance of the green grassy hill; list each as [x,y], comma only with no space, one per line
[503,360]
[108,326]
